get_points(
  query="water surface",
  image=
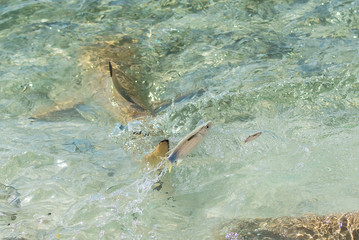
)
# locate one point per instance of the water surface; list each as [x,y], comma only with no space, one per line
[286,68]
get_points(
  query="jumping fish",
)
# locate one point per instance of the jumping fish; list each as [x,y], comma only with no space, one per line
[184,147]
[187,144]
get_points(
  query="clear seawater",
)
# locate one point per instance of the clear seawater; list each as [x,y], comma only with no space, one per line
[288,68]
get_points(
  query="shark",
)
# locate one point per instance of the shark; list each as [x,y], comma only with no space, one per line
[113,77]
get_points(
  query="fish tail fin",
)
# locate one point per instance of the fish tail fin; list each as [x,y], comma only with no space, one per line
[169,165]
[179,162]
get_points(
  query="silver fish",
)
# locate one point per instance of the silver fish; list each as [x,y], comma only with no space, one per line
[187,144]
[252,137]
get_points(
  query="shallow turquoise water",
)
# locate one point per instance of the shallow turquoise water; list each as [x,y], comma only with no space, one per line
[287,68]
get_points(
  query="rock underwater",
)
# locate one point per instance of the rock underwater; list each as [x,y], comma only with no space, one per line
[334,226]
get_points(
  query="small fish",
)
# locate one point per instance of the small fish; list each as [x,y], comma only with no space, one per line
[187,144]
[252,137]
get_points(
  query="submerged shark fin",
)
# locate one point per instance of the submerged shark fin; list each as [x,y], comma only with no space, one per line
[124,86]
[117,83]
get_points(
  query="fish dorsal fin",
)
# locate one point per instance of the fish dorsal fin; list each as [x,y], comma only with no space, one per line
[160,152]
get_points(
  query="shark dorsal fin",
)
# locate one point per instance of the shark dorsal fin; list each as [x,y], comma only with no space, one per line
[160,152]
